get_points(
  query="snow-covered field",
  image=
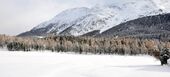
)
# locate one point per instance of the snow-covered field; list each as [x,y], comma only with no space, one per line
[46,64]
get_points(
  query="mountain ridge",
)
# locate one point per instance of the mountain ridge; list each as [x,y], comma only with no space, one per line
[79,21]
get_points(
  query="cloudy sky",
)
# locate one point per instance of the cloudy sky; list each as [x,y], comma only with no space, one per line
[18,16]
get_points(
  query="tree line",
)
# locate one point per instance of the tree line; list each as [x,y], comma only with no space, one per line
[121,45]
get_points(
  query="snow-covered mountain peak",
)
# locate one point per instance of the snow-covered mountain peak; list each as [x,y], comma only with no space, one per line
[66,16]
[71,14]
[79,21]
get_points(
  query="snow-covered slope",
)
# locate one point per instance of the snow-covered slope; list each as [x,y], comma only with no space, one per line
[163,4]
[79,21]
[46,64]
[64,19]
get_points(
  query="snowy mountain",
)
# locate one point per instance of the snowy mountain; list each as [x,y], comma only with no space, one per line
[79,21]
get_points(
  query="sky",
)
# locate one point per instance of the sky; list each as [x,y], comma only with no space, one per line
[17,16]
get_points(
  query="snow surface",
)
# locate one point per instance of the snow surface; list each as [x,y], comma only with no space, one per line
[46,64]
[103,17]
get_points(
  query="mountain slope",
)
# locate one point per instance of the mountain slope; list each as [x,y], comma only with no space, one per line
[147,27]
[79,21]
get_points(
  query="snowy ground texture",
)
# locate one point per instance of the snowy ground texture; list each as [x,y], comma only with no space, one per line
[46,64]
